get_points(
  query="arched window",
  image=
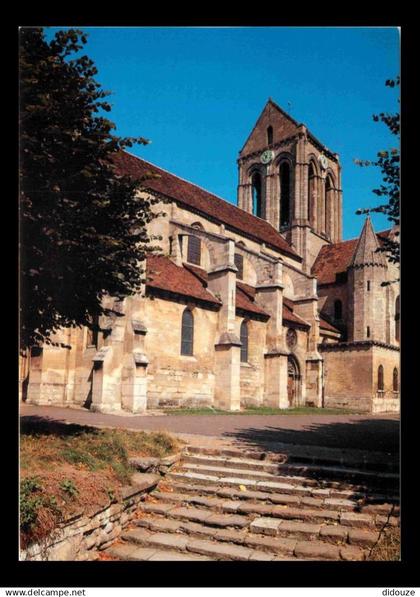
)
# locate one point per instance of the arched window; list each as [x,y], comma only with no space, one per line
[380,378]
[187,333]
[92,334]
[395,380]
[256,195]
[397,319]
[328,207]
[239,262]
[338,310]
[269,135]
[244,340]
[284,194]
[311,192]
[194,250]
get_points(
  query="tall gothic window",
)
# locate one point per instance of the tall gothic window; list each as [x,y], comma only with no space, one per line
[194,250]
[92,334]
[380,378]
[284,194]
[397,319]
[395,380]
[257,195]
[311,189]
[269,135]
[187,333]
[244,341]
[239,262]
[338,310]
[328,207]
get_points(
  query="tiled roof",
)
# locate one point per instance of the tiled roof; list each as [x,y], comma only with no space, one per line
[326,325]
[197,271]
[245,302]
[289,303]
[206,203]
[336,258]
[291,317]
[249,290]
[163,274]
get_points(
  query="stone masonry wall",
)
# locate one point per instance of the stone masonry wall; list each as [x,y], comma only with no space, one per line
[351,378]
[174,379]
[348,378]
[80,537]
[388,400]
[252,372]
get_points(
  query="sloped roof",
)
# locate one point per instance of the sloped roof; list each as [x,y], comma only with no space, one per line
[326,325]
[198,271]
[366,248]
[272,114]
[336,258]
[190,195]
[249,290]
[245,302]
[164,274]
[290,316]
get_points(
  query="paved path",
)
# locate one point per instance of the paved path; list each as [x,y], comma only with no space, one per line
[365,432]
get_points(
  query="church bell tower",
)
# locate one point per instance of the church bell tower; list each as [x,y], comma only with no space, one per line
[287,177]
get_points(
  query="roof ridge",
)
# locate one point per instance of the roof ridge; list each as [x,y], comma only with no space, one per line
[242,211]
[349,240]
[276,105]
[239,284]
[185,180]
[269,101]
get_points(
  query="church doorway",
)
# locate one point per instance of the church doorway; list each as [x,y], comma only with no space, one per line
[293,378]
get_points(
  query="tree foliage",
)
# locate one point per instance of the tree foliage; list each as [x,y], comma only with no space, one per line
[83,228]
[388,161]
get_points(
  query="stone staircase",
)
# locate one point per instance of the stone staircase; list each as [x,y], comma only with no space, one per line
[238,504]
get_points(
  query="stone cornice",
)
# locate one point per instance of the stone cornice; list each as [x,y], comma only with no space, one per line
[276,352]
[362,344]
[198,232]
[229,339]
[269,286]
[219,269]
[251,314]
[184,299]
[273,146]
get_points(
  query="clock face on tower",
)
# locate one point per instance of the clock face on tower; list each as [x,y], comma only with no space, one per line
[323,161]
[267,156]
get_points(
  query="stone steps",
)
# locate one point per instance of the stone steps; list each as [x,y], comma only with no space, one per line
[308,474]
[268,485]
[226,506]
[277,521]
[300,454]
[214,550]
[379,505]
[132,553]
[289,470]
[230,545]
[374,502]
[309,509]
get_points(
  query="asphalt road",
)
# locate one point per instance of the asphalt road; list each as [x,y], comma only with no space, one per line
[365,432]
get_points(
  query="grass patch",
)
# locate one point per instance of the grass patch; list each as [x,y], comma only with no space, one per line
[388,547]
[69,468]
[261,410]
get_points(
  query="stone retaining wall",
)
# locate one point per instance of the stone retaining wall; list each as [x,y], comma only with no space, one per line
[82,536]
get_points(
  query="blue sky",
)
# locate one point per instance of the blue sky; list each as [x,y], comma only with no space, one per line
[197,92]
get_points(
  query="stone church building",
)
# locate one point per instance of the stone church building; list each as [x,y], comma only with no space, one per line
[259,304]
